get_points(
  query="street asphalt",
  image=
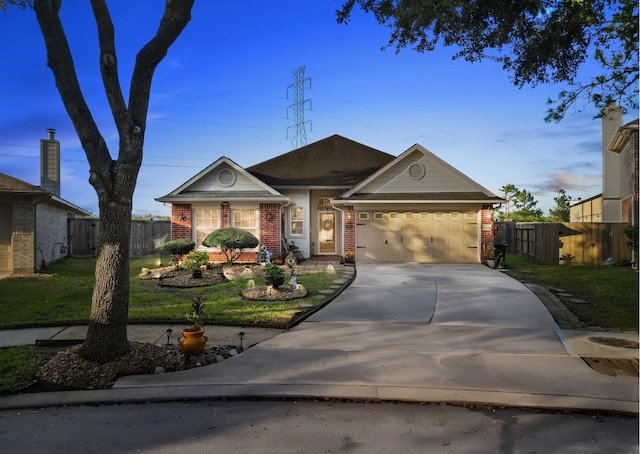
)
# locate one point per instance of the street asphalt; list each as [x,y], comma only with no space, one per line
[458,334]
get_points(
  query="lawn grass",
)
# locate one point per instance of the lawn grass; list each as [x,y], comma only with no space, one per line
[63,296]
[17,367]
[611,292]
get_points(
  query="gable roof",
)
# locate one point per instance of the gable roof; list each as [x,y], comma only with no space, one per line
[10,185]
[417,175]
[206,185]
[335,161]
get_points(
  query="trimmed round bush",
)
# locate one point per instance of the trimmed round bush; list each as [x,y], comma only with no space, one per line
[179,247]
[231,241]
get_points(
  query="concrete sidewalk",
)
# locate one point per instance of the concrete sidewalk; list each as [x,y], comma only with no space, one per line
[428,333]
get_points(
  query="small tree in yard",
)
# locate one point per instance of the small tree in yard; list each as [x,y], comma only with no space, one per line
[231,241]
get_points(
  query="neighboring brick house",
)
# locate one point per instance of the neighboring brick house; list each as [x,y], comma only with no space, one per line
[33,220]
[335,196]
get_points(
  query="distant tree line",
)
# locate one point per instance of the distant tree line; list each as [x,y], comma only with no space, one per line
[522,206]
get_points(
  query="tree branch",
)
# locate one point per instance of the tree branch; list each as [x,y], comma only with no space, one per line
[177,15]
[60,61]
[109,66]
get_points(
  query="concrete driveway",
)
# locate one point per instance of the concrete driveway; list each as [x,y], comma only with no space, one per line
[469,295]
[412,332]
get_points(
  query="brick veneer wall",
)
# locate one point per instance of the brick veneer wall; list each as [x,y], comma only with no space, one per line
[23,235]
[182,227]
[181,222]
[349,223]
[270,227]
[486,233]
[225,215]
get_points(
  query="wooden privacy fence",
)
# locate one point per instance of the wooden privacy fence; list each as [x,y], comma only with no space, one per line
[587,243]
[146,237]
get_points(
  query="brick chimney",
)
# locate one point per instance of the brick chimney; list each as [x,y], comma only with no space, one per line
[50,163]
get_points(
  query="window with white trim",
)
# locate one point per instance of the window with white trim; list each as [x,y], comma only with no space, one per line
[246,219]
[297,216]
[206,222]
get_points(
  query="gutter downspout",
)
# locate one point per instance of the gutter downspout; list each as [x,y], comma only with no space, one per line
[341,229]
[282,207]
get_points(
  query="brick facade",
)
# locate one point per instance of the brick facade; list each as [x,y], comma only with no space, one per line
[24,238]
[181,221]
[225,215]
[349,222]
[270,233]
[39,232]
[486,229]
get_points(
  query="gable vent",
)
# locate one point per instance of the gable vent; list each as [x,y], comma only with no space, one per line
[226,178]
[417,171]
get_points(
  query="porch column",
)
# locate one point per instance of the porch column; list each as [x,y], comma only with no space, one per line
[349,223]
[225,215]
[486,227]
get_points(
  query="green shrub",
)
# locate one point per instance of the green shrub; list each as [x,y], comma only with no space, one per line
[231,241]
[195,260]
[178,248]
[273,271]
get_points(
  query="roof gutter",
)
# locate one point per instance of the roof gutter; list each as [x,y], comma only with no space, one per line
[434,202]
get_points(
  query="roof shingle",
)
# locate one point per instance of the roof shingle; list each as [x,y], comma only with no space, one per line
[334,161]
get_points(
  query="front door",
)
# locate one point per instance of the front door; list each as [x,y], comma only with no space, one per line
[327,232]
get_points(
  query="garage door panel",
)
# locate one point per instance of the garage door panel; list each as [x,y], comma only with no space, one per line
[421,237]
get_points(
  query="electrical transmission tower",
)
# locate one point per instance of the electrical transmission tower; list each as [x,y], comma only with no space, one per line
[299,136]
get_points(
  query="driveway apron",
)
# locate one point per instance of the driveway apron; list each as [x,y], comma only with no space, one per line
[443,333]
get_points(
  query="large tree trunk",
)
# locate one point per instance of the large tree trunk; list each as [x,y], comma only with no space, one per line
[113,180]
[107,334]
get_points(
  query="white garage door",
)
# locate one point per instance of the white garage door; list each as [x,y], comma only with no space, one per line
[426,237]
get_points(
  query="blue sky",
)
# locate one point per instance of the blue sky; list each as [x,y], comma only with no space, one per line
[222,91]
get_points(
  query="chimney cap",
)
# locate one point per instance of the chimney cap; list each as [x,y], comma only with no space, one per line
[51,132]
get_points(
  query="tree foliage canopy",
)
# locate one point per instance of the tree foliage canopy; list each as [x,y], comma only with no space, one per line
[536,41]
[562,210]
[19,3]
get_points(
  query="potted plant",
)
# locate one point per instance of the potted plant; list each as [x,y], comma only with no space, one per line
[273,275]
[194,261]
[193,339]
[349,257]
[490,253]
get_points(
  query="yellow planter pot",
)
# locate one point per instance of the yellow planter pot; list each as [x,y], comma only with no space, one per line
[193,341]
